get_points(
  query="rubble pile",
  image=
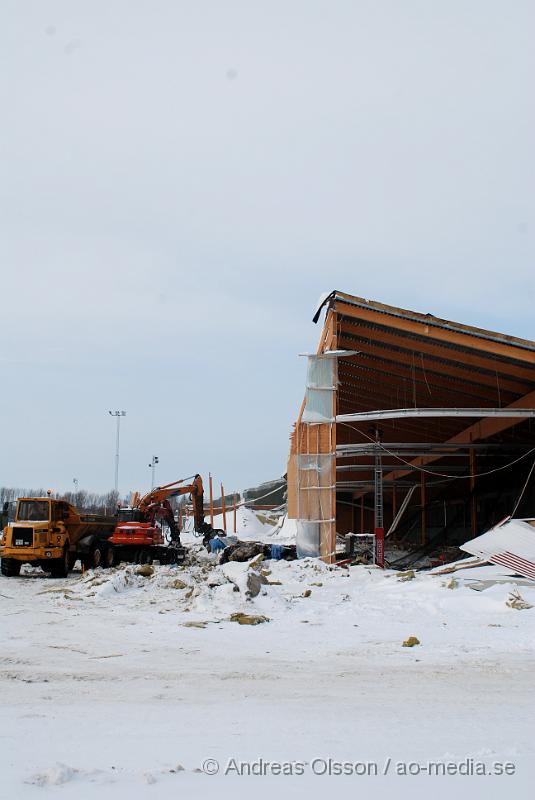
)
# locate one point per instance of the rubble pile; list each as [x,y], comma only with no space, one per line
[206,590]
[206,585]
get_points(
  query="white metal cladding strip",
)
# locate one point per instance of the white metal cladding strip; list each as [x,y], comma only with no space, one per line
[511,545]
[513,562]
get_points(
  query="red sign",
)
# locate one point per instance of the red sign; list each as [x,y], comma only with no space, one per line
[380,547]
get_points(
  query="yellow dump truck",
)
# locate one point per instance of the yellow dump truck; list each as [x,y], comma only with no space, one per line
[52,534]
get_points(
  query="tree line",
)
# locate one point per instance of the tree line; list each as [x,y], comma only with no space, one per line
[89,502]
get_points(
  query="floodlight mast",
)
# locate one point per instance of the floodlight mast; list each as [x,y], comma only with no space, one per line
[117,415]
[152,466]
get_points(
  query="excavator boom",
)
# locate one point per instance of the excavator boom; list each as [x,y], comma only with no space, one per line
[155,505]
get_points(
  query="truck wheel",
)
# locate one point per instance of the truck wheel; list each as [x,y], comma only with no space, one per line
[108,557]
[10,567]
[145,556]
[93,559]
[96,556]
[60,568]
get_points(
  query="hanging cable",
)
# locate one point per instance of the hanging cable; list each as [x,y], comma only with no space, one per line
[425,376]
[441,474]
[520,496]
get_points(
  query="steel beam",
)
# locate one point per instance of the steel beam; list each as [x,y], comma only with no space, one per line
[425,445]
[345,486]
[391,467]
[431,413]
[479,430]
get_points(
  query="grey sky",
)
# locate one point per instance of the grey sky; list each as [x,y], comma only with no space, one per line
[181,180]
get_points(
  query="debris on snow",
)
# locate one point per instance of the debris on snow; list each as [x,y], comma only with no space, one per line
[517,601]
[55,776]
[409,575]
[254,563]
[177,584]
[465,563]
[146,570]
[243,551]
[412,641]
[254,583]
[248,619]
[193,624]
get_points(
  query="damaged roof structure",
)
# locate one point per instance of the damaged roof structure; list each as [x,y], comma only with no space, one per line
[412,427]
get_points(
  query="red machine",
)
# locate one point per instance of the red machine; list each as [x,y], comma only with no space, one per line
[137,538]
[137,533]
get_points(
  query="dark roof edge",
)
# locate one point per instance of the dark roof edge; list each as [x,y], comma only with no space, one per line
[326,300]
[428,319]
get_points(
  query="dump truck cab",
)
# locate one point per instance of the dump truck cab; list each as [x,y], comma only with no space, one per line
[50,534]
[38,535]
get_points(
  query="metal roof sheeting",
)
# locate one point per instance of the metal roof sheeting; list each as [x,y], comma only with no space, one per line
[511,545]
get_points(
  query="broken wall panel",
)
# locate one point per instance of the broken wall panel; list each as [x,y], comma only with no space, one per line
[311,485]
[511,545]
[312,462]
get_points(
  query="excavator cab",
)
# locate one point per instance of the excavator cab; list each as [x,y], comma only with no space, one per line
[129,515]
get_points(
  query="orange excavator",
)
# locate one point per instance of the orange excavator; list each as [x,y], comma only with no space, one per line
[155,505]
[136,528]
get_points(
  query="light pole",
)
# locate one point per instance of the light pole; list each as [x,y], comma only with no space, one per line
[155,460]
[117,415]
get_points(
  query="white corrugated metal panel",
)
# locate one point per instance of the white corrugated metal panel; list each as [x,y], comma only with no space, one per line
[511,545]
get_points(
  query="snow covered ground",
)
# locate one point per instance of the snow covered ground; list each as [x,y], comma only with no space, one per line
[121,685]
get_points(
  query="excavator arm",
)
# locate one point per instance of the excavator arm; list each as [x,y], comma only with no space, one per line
[155,505]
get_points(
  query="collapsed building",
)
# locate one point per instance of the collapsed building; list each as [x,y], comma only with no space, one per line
[413,428]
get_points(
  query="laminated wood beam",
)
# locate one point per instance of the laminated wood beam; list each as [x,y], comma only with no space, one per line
[431,329]
[393,374]
[442,349]
[454,369]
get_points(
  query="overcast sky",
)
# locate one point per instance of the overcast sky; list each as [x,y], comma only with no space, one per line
[181,180]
